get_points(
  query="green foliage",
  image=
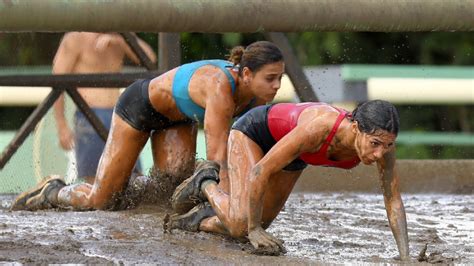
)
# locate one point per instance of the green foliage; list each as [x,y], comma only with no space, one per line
[314,48]
[11,118]
[232,39]
[197,46]
[413,152]
[28,48]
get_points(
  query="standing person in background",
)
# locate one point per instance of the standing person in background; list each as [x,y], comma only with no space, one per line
[90,52]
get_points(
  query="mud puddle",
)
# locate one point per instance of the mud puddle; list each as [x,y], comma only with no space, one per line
[343,228]
[317,228]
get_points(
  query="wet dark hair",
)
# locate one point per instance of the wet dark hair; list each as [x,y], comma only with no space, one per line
[255,56]
[375,115]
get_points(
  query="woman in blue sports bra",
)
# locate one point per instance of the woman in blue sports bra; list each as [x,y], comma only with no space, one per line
[167,109]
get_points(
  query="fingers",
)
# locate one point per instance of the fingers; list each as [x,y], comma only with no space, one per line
[280,245]
[266,244]
[277,243]
[274,240]
[282,248]
[266,241]
[166,227]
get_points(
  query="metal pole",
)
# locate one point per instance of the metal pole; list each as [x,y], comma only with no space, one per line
[303,88]
[132,41]
[87,111]
[169,51]
[236,16]
[109,80]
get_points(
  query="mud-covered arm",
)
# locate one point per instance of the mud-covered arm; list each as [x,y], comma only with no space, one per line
[64,63]
[393,202]
[301,139]
[220,108]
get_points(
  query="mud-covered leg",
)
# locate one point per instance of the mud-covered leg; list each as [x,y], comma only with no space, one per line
[121,151]
[233,209]
[174,152]
[213,224]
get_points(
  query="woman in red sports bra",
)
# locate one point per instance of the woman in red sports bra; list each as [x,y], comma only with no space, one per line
[268,149]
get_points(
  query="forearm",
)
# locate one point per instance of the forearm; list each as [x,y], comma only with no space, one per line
[221,159]
[256,185]
[393,203]
[397,220]
[217,152]
[216,144]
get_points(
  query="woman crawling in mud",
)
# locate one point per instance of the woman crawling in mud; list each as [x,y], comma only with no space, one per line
[166,109]
[268,149]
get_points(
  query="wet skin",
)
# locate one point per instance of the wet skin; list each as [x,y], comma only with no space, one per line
[174,148]
[259,187]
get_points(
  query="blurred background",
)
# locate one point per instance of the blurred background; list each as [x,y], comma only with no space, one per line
[428,76]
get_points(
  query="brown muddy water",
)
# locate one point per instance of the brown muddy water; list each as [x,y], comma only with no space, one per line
[317,228]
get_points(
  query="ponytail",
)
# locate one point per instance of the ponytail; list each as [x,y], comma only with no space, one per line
[255,56]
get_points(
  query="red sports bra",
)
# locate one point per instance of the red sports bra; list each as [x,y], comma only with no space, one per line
[283,117]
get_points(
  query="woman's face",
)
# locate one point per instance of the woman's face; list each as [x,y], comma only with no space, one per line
[265,82]
[372,147]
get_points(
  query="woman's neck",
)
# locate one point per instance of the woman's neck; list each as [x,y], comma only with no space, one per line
[344,140]
[243,94]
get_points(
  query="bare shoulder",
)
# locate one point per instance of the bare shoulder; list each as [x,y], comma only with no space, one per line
[321,117]
[73,36]
[72,39]
[214,80]
[317,122]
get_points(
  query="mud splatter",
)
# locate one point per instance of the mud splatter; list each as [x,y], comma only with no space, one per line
[317,228]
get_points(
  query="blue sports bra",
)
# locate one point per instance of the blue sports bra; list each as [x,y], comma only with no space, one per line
[181,82]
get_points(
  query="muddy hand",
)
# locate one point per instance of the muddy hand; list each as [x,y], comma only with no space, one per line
[265,243]
[166,224]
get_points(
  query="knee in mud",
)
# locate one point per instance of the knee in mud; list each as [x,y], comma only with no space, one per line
[99,204]
[163,183]
[180,173]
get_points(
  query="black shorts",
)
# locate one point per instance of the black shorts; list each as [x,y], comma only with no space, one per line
[134,107]
[254,124]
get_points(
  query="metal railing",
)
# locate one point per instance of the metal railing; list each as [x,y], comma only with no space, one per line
[70,82]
